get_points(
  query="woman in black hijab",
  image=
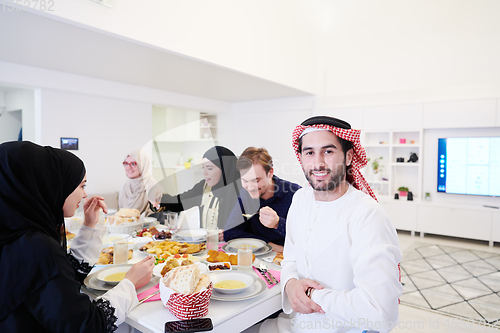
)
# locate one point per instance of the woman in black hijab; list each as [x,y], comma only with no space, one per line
[40,283]
[216,194]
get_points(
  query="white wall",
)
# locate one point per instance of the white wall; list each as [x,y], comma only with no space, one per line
[396,52]
[275,40]
[268,124]
[24,100]
[10,124]
[108,130]
[19,112]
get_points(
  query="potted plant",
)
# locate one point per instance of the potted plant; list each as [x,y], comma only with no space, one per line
[377,167]
[403,191]
[187,164]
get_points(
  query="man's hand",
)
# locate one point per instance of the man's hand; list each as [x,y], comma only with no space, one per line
[91,210]
[296,292]
[276,247]
[268,217]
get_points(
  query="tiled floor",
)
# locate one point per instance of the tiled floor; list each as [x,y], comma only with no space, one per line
[414,319]
[458,278]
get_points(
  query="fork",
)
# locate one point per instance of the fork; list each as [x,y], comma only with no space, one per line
[248,216]
[264,269]
[142,300]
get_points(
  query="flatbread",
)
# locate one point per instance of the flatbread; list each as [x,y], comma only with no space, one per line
[183,279]
[204,282]
[127,215]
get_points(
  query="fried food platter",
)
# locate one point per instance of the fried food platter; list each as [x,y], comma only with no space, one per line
[169,247]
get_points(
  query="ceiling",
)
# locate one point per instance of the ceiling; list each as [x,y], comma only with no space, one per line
[43,42]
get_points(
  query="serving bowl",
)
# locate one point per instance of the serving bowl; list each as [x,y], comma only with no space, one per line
[192,235]
[247,278]
[104,274]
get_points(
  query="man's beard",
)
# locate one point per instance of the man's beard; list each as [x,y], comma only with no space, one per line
[334,182]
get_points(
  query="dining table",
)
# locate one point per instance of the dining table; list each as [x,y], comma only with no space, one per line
[226,316]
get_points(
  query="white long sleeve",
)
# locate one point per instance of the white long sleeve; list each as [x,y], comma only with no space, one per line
[87,244]
[373,302]
[289,264]
[350,247]
[123,297]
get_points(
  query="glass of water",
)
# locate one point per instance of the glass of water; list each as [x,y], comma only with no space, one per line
[245,257]
[120,251]
[171,220]
[213,239]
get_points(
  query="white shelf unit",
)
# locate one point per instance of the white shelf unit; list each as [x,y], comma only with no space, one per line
[388,145]
[181,135]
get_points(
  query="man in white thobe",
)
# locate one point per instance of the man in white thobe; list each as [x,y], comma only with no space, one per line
[341,258]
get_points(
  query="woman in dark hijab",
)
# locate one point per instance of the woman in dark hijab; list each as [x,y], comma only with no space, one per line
[216,194]
[40,282]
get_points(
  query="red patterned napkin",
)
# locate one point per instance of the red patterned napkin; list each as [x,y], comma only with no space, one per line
[276,274]
[149,292]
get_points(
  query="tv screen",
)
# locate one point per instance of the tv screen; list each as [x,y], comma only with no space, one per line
[69,143]
[469,166]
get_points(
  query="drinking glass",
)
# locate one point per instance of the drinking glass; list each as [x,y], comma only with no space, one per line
[120,251]
[171,220]
[213,239]
[245,257]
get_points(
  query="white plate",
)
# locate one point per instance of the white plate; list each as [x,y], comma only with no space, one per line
[230,250]
[247,278]
[150,219]
[138,242]
[150,222]
[103,273]
[92,282]
[255,243]
[201,266]
[195,235]
[112,237]
[256,289]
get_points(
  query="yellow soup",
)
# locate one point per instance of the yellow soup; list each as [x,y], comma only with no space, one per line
[115,277]
[230,284]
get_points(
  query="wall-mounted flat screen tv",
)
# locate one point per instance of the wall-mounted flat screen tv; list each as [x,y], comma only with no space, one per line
[69,143]
[469,166]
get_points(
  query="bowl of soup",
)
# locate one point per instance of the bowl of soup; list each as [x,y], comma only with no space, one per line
[113,275]
[231,282]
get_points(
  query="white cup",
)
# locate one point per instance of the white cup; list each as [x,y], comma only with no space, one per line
[213,239]
[245,257]
[171,219]
[120,251]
